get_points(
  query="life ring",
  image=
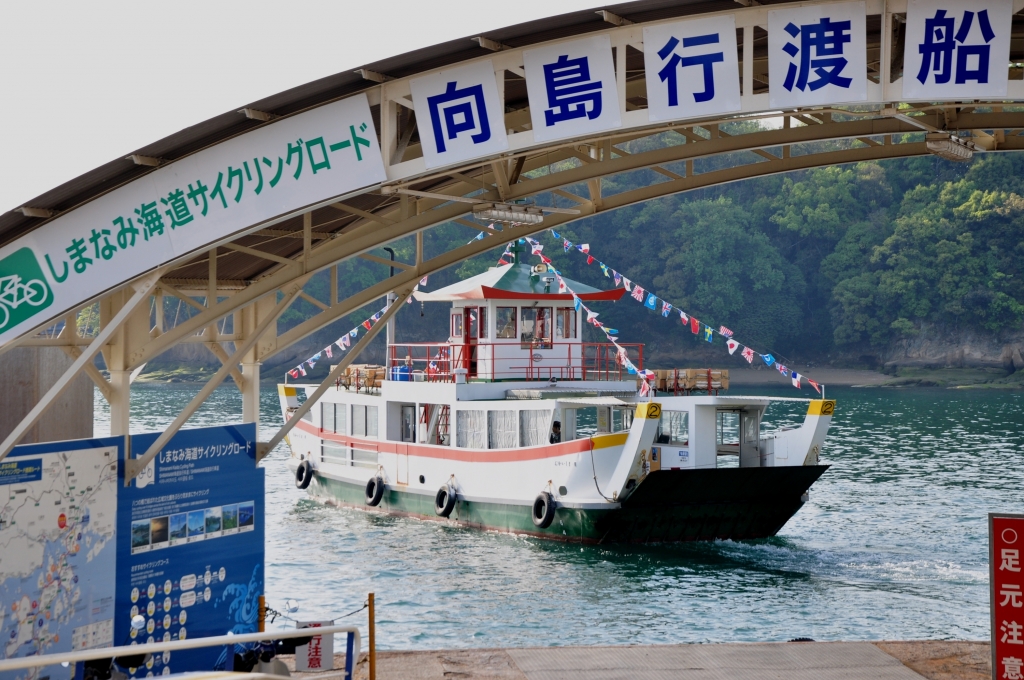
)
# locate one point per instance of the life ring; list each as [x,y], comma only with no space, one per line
[303,474]
[543,513]
[374,491]
[444,501]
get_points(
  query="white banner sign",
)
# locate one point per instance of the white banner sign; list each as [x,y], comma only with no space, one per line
[184,207]
[817,54]
[692,69]
[571,86]
[957,49]
[459,114]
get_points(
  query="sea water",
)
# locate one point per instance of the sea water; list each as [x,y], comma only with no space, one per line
[891,545]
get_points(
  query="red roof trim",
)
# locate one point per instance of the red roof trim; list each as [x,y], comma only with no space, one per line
[499,294]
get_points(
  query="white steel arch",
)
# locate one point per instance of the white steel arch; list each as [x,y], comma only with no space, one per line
[384,185]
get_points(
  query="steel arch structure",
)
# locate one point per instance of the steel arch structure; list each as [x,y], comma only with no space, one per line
[249,276]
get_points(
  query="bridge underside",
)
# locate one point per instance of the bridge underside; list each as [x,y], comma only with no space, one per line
[240,288]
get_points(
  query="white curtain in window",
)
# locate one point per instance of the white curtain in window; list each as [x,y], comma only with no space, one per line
[470,429]
[501,429]
[371,421]
[534,427]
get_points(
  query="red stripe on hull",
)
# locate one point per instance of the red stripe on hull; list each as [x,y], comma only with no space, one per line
[451,453]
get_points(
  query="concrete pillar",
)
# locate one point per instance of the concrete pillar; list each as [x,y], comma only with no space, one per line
[251,394]
[26,373]
[120,402]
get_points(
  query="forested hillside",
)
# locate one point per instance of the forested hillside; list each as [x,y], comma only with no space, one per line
[837,265]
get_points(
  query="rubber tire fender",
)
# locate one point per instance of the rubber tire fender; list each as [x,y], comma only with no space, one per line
[374,491]
[543,510]
[444,501]
[303,474]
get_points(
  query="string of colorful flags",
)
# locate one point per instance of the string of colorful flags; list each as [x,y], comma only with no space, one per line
[345,341]
[657,304]
[610,333]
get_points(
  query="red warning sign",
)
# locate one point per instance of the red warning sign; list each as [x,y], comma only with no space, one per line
[1006,541]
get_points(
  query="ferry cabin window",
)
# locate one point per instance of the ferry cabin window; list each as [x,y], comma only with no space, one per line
[371,421]
[327,417]
[341,418]
[535,327]
[471,429]
[408,423]
[674,428]
[622,419]
[364,421]
[565,323]
[535,428]
[506,323]
[501,429]
[456,325]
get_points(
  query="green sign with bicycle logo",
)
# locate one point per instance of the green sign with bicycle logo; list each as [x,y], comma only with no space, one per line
[23,288]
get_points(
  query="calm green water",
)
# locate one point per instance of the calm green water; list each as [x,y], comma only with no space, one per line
[892,544]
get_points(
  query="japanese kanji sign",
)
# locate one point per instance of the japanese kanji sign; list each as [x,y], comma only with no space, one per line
[957,48]
[691,67]
[187,206]
[817,54]
[459,114]
[1006,544]
[571,86]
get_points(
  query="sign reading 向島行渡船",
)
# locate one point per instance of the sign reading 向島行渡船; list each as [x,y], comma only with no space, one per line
[571,86]
[957,48]
[691,68]
[187,206]
[459,114]
[817,54]
[1006,543]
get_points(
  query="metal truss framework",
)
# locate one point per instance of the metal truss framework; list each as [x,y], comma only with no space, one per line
[133,330]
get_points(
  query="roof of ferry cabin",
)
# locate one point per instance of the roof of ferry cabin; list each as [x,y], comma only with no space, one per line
[514,282]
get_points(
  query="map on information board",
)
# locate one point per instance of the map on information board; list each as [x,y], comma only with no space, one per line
[58,521]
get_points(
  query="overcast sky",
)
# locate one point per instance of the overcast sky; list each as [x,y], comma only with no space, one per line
[83,83]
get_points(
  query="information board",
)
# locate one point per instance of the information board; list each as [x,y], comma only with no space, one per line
[58,516]
[193,561]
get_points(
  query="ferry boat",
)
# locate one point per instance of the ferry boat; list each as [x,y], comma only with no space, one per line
[515,424]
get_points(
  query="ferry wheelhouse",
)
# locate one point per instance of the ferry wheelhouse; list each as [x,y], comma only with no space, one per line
[515,424]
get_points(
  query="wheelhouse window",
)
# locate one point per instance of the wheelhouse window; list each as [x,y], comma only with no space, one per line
[535,327]
[565,323]
[505,318]
[477,321]
[456,325]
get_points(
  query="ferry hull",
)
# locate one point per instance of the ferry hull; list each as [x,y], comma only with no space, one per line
[669,506]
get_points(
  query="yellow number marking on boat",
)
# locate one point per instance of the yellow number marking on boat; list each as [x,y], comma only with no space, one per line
[821,407]
[652,411]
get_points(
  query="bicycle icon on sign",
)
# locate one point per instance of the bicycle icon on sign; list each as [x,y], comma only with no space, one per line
[14,293]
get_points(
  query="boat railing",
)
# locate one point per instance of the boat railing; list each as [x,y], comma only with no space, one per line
[539,360]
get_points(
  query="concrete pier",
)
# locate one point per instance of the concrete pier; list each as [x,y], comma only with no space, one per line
[934,660]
